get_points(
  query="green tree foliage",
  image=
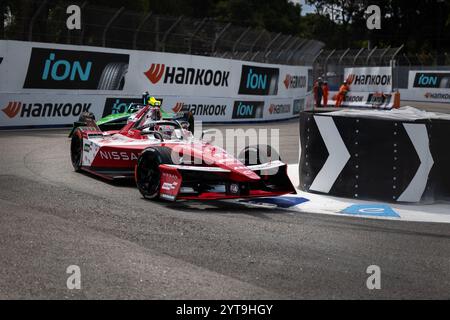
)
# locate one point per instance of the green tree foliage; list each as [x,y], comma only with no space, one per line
[421,25]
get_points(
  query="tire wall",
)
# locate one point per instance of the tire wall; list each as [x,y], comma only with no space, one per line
[44,84]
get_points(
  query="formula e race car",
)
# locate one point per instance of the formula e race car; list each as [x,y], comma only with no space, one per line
[168,162]
[117,121]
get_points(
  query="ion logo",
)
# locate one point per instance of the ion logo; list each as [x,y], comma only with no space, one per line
[258,81]
[62,69]
[187,76]
[248,110]
[68,69]
[118,105]
[12,109]
[294,82]
[36,110]
[432,80]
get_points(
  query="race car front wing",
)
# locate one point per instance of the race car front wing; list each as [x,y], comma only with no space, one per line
[180,182]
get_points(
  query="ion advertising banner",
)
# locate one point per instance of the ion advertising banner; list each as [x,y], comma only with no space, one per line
[428,86]
[213,89]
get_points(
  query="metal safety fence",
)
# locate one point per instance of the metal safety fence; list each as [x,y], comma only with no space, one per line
[330,64]
[45,21]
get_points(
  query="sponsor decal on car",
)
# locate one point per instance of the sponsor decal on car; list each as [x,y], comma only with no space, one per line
[116,155]
[87,147]
[170,185]
[70,69]
[201,109]
[259,80]
[35,110]
[248,109]
[234,188]
[187,76]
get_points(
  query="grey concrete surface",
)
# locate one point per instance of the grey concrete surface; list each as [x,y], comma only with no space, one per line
[130,248]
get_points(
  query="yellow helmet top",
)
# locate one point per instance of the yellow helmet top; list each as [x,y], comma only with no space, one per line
[153,102]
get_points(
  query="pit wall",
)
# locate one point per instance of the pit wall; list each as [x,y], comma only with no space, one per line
[44,84]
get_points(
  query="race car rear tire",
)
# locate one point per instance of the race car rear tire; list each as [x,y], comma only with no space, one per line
[76,150]
[255,155]
[147,170]
[86,115]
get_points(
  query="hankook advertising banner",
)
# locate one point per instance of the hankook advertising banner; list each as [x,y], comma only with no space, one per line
[369,79]
[37,75]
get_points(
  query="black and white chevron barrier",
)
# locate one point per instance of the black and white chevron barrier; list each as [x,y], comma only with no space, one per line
[396,156]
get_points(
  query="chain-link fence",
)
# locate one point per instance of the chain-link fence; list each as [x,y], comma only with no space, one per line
[330,64]
[43,21]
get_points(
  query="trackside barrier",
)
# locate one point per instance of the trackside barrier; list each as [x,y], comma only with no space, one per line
[50,84]
[374,100]
[395,156]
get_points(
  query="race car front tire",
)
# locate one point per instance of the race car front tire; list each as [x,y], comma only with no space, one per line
[76,150]
[147,170]
[255,155]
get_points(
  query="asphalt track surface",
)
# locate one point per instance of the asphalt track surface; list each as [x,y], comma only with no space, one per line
[130,248]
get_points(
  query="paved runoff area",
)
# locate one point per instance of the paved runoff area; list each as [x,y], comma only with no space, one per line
[52,218]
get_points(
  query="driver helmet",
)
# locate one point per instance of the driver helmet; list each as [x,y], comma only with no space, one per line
[153,102]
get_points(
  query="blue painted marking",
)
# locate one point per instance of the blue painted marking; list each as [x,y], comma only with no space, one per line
[281,202]
[374,210]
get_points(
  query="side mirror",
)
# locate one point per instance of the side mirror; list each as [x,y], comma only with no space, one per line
[207,131]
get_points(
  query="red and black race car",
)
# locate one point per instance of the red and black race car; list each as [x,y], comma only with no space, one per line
[167,162]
